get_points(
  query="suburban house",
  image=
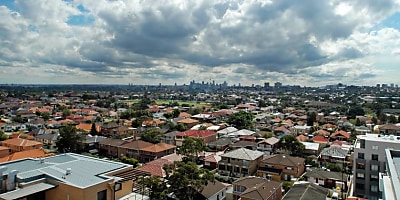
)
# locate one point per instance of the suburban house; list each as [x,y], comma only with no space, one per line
[169,137]
[333,154]
[239,163]
[389,129]
[268,146]
[326,179]
[207,136]
[340,135]
[188,122]
[211,161]
[155,167]
[110,147]
[66,176]
[33,153]
[311,148]
[306,191]
[300,130]
[48,140]
[220,144]
[250,188]
[18,144]
[213,191]
[281,167]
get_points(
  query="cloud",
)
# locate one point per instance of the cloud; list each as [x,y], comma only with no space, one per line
[174,40]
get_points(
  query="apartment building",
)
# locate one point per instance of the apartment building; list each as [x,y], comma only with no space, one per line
[239,162]
[370,160]
[390,181]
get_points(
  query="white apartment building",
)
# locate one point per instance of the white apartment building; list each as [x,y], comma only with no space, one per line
[370,160]
[389,182]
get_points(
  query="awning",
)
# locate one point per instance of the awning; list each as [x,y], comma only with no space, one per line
[26,191]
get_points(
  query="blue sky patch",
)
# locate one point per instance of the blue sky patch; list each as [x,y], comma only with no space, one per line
[80,20]
[9,4]
[392,21]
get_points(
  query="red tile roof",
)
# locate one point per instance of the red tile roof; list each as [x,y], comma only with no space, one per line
[320,139]
[340,133]
[34,153]
[20,142]
[196,133]
[155,148]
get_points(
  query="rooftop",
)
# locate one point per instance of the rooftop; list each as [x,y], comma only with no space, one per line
[85,171]
[243,154]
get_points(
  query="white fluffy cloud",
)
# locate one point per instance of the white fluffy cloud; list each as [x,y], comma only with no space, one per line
[309,42]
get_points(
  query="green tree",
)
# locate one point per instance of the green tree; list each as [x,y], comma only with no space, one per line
[152,135]
[69,140]
[65,112]
[188,179]
[241,120]
[311,118]
[261,103]
[158,188]
[175,113]
[355,111]
[3,136]
[181,127]
[291,144]
[93,130]
[45,116]
[130,161]
[334,167]
[391,119]
[191,147]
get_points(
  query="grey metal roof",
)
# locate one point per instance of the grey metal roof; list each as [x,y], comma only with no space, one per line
[243,154]
[26,191]
[306,191]
[85,171]
[334,152]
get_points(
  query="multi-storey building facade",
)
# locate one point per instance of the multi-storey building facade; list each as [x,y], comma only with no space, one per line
[389,181]
[370,160]
[239,162]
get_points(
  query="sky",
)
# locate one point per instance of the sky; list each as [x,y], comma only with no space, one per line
[307,43]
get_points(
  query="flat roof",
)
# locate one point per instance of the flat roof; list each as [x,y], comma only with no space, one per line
[85,171]
[26,191]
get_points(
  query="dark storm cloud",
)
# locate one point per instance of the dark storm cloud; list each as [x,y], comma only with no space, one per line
[163,39]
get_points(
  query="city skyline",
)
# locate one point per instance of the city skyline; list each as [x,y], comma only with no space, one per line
[312,43]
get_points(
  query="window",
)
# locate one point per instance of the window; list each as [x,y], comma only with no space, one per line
[374,188]
[221,167]
[361,155]
[360,175]
[102,195]
[375,147]
[374,177]
[360,166]
[374,157]
[360,186]
[374,168]
[362,144]
[289,168]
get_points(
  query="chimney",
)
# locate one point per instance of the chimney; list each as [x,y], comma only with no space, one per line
[11,183]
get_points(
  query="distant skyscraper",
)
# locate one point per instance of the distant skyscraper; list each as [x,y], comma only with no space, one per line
[278,84]
[266,85]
